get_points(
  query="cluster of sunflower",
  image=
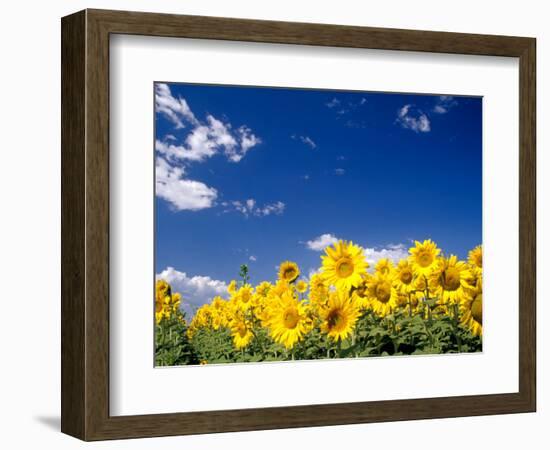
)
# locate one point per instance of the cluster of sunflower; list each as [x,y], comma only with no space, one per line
[172,346]
[166,303]
[426,303]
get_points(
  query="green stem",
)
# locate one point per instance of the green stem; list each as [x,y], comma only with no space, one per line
[455,328]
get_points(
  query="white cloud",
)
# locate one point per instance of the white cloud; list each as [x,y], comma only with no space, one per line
[181,193]
[196,290]
[219,133]
[247,140]
[321,242]
[413,119]
[201,142]
[273,208]
[252,258]
[344,107]
[444,103]
[340,171]
[250,208]
[174,109]
[394,252]
[205,139]
[333,103]
[306,140]
[199,147]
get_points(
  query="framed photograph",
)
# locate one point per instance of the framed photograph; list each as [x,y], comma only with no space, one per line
[272,225]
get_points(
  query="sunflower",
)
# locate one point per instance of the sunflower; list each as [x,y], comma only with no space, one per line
[279,288]
[360,293]
[384,266]
[475,258]
[339,315]
[318,290]
[471,310]
[404,277]
[423,257]
[175,301]
[166,303]
[382,294]
[263,289]
[301,286]
[244,296]
[287,320]
[162,289]
[240,331]
[288,271]
[451,280]
[316,281]
[161,312]
[219,312]
[344,264]
[232,288]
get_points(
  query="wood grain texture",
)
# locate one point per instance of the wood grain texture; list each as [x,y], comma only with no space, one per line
[73,226]
[527,224]
[85,224]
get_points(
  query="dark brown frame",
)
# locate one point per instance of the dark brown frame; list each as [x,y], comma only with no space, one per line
[85,224]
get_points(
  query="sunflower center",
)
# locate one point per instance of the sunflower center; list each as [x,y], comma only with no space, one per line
[424,259]
[245,297]
[335,320]
[344,267]
[290,318]
[478,260]
[406,276]
[383,292]
[242,331]
[477,310]
[451,279]
[289,274]
[361,290]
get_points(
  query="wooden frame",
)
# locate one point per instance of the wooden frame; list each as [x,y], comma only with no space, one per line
[85,224]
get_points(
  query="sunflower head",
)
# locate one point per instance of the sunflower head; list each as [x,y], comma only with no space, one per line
[404,276]
[423,257]
[384,266]
[244,296]
[301,286]
[471,309]
[382,294]
[263,289]
[232,287]
[162,290]
[339,315]
[318,290]
[451,280]
[360,294]
[475,257]
[288,271]
[344,265]
[287,320]
[241,331]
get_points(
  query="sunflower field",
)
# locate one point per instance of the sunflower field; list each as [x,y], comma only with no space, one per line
[428,303]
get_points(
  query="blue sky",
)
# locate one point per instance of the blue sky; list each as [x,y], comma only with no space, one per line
[261,175]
